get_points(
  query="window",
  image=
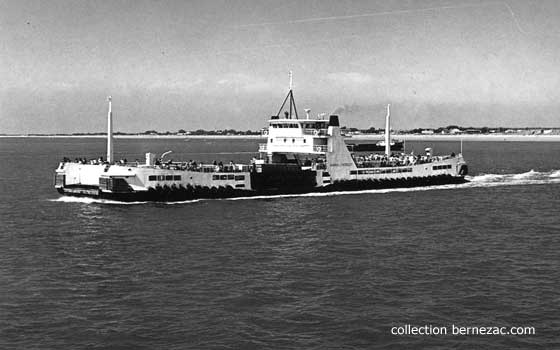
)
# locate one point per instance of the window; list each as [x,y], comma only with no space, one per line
[293,140]
[240,185]
[215,177]
[304,141]
[239,177]
[223,177]
[270,140]
[168,177]
[177,177]
[353,172]
[230,177]
[152,178]
[160,177]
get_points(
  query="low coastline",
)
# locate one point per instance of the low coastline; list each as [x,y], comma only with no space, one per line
[357,138]
[464,137]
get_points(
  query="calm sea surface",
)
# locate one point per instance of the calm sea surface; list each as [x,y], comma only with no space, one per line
[304,272]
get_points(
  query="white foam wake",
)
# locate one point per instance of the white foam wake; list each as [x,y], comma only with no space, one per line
[483,180]
[87,200]
[527,178]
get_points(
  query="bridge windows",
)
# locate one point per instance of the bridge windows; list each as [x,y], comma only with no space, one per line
[285,125]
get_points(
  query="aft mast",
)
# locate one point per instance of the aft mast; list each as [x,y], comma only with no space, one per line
[388,131]
[109,132]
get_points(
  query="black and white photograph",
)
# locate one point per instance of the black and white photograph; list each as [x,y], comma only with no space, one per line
[296,174]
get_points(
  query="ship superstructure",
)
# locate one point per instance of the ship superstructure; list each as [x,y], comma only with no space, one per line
[299,156]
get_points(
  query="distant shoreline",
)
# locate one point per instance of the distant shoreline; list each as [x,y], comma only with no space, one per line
[464,137]
[406,137]
[140,136]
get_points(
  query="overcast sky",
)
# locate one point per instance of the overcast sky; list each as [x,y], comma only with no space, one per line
[224,64]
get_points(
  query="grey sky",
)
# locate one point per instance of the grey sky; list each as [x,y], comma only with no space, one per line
[224,64]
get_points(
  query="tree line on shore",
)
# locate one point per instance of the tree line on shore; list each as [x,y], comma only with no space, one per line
[371,130]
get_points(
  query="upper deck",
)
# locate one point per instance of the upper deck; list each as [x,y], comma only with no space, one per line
[296,136]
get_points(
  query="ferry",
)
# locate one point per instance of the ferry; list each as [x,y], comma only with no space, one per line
[300,156]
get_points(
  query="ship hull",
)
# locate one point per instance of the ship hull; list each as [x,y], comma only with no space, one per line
[180,193]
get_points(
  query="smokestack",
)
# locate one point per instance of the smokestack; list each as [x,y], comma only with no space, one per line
[388,131]
[109,133]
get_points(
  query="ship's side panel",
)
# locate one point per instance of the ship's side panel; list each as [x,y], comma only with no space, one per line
[282,178]
[138,183]
[150,177]
[81,174]
[339,159]
[449,166]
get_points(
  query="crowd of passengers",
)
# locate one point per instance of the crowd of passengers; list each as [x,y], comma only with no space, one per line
[395,159]
[193,165]
[83,160]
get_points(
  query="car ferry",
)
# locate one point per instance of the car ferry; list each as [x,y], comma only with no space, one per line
[300,156]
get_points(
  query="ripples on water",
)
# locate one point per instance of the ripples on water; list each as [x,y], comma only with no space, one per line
[314,271]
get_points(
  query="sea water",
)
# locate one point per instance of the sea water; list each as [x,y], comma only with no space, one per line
[315,271]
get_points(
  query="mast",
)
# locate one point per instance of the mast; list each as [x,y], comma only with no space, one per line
[291,80]
[290,99]
[388,131]
[109,132]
